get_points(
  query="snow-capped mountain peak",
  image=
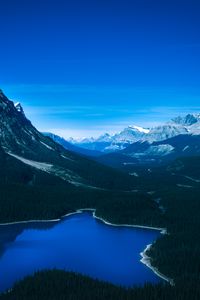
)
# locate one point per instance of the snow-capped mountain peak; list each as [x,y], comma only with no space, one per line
[104,138]
[140,129]
[181,125]
[128,135]
[187,120]
[165,131]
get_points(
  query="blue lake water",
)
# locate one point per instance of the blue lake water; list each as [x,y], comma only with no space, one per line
[77,243]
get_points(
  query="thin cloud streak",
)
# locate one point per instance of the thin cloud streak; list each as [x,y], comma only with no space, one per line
[71,127]
[83,110]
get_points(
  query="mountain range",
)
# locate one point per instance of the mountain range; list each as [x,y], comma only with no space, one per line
[180,137]
[31,158]
[40,179]
[147,182]
[70,146]
[189,124]
[21,141]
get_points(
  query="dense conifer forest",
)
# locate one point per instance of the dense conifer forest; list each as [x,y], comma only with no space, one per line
[29,194]
[61,285]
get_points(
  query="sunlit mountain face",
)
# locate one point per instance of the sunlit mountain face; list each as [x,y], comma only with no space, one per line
[106,143]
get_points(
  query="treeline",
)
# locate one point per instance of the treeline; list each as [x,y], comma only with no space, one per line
[24,202]
[90,172]
[27,193]
[178,253]
[61,285]
[36,195]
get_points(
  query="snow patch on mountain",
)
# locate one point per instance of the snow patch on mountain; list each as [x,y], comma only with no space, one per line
[184,186]
[38,165]
[192,179]
[189,124]
[185,148]
[64,174]
[134,174]
[104,138]
[181,125]
[47,146]
[114,147]
[160,150]
[195,128]
[164,132]
[128,135]
[19,108]
[140,129]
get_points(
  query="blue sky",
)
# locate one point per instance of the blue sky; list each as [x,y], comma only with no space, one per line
[81,68]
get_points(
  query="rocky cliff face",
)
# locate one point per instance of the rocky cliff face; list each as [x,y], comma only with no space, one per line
[20,140]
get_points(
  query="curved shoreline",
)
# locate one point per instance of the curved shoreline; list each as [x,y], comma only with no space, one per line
[162,230]
[39,221]
[146,260]
[93,210]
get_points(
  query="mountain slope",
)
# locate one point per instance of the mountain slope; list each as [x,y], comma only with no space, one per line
[188,120]
[181,145]
[21,140]
[110,143]
[30,190]
[189,124]
[41,179]
[69,146]
[153,154]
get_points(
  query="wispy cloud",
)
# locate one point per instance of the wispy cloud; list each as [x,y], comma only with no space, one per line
[83,110]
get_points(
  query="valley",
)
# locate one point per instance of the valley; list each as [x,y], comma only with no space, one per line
[41,180]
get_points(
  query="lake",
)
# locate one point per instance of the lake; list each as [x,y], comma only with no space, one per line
[77,243]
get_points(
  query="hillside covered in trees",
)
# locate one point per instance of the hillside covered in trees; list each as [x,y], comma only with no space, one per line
[176,254]
[61,285]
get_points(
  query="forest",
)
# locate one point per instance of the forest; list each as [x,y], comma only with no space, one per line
[176,254]
[61,285]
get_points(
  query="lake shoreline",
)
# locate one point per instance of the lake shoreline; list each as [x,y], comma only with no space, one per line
[146,260]
[39,221]
[93,210]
